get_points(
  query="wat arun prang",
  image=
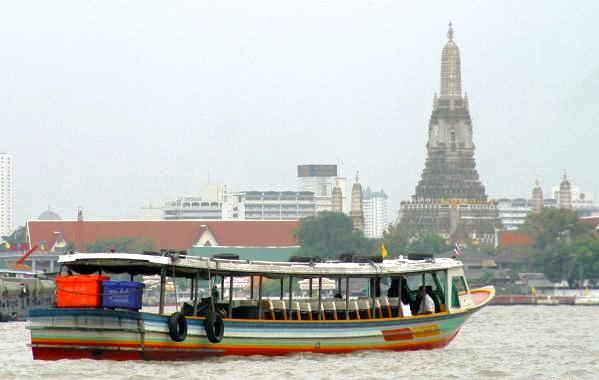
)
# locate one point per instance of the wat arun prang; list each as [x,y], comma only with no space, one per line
[450,200]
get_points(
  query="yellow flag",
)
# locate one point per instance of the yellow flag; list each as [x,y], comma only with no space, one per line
[383,250]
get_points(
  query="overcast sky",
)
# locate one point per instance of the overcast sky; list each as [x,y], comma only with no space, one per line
[110,104]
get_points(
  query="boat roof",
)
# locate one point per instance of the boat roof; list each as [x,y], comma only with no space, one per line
[19,273]
[188,266]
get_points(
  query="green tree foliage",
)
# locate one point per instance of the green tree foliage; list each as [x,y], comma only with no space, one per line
[553,227]
[122,244]
[16,237]
[564,248]
[397,239]
[400,240]
[430,243]
[328,234]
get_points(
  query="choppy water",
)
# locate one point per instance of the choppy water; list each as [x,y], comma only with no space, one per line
[517,342]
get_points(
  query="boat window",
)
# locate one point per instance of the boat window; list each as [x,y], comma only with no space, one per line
[458,288]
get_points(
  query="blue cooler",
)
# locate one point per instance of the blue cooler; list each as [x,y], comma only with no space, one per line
[122,294]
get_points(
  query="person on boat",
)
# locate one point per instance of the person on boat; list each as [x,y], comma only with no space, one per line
[427,305]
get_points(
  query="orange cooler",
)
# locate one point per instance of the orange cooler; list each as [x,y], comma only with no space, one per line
[79,291]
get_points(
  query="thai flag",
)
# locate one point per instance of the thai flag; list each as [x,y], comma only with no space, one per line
[457,250]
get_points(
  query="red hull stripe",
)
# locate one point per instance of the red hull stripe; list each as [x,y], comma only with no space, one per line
[48,352]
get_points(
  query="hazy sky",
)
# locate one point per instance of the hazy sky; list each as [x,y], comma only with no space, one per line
[109,104]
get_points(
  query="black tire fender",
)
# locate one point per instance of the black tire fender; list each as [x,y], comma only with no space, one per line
[177,326]
[215,327]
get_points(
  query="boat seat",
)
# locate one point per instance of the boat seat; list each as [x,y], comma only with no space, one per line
[280,309]
[295,311]
[353,306]
[330,310]
[364,308]
[268,309]
[314,306]
[377,309]
[385,307]
[306,309]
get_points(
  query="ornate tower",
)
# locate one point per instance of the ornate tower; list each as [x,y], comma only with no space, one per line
[565,194]
[337,199]
[450,199]
[356,213]
[537,198]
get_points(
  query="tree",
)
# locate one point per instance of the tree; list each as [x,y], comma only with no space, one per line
[397,238]
[122,244]
[553,226]
[328,234]
[16,237]
[430,243]
[566,248]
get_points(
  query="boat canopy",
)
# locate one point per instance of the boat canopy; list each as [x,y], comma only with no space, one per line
[181,265]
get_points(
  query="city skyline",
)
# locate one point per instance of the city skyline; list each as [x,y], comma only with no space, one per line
[108,119]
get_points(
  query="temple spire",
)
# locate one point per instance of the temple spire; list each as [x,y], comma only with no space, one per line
[451,82]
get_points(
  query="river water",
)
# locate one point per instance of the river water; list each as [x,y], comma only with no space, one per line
[515,342]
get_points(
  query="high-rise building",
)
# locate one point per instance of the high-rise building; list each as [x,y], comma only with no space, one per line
[357,212]
[6,194]
[537,197]
[375,213]
[322,180]
[450,200]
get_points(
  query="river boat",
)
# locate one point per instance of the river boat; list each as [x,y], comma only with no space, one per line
[375,307]
[22,290]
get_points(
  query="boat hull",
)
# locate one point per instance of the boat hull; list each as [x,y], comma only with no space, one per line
[125,335]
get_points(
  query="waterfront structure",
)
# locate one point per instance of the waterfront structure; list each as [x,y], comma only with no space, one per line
[537,198]
[321,180]
[251,239]
[6,194]
[375,213]
[357,214]
[450,200]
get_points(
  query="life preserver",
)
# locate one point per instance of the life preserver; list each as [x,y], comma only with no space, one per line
[215,327]
[177,326]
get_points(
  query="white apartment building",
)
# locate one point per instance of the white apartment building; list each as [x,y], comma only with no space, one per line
[321,180]
[242,205]
[513,212]
[374,205]
[6,194]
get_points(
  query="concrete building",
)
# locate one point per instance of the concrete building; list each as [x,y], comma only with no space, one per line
[450,200]
[271,205]
[375,213]
[216,203]
[321,180]
[513,212]
[7,175]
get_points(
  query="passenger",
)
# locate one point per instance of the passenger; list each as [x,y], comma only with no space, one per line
[427,305]
[338,296]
